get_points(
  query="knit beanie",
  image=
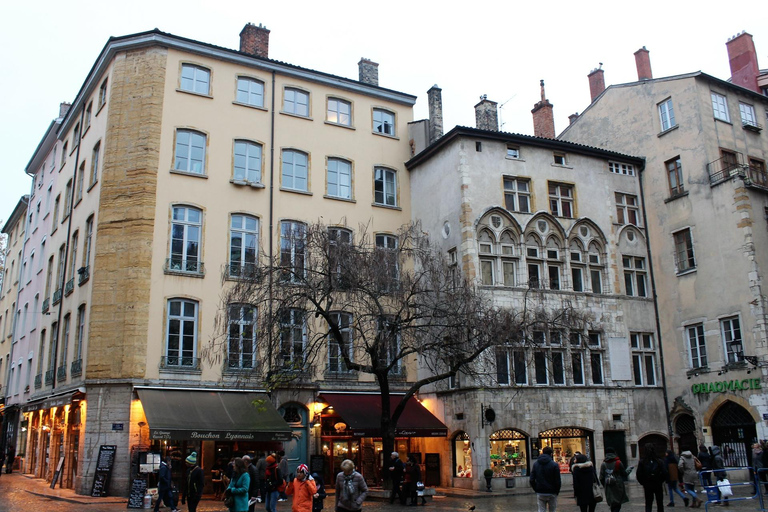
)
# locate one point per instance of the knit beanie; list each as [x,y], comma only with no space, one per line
[192,459]
[270,460]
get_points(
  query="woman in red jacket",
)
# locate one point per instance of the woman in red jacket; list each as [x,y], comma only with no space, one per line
[303,489]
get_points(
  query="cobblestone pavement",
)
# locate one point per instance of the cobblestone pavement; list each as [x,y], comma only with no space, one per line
[22,493]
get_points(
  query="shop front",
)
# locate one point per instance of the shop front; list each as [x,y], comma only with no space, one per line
[350,429]
[565,442]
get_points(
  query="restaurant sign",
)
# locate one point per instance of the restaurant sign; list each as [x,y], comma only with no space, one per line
[218,435]
[724,386]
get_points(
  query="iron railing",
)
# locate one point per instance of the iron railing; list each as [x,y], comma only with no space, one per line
[725,167]
[84,273]
[46,305]
[49,377]
[61,373]
[76,368]
[57,296]
[187,266]
[38,381]
[180,362]
[69,287]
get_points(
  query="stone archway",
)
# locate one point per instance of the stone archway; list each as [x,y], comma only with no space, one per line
[734,431]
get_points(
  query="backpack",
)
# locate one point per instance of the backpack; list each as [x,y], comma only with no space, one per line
[610,480]
[656,471]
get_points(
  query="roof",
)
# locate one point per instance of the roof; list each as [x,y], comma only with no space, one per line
[19,212]
[517,138]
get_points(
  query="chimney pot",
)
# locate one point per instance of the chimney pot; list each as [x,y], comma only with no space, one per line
[543,116]
[596,82]
[742,58]
[573,117]
[435,100]
[369,71]
[486,114]
[643,63]
[255,40]
[63,109]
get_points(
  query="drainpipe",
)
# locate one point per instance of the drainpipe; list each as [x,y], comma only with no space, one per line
[656,312]
[271,219]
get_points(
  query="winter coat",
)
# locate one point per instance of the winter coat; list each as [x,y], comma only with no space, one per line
[705,459]
[283,466]
[195,483]
[652,473]
[302,494]
[687,467]
[351,491]
[672,473]
[253,487]
[238,487]
[397,470]
[274,478]
[615,494]
[164,478]
[583,478]
[757,459]
[261,468]
[317,503]
[717,463]
[545,475]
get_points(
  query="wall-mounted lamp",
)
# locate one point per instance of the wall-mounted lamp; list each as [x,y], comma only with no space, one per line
[316,420]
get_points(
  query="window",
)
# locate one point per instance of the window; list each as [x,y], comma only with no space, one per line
[339,178]
[293,335]
[558,369]
[593,339]
[80,179]
[596,360]
[103,93]
[181,337]
[250,91]
[635,276]
[643,358]
[720,107]
[619,168]
[731,332]
[95,163]
[73,255]
[756,172]
[389,343]
[68,199]
[87,117]
[385,187]
[383,121]
[729,161]
[627,209]
[64,341]
[559,158]
[595,268]
[64,154]
[561,200]
[41,352]
[88,241]
[335,356]
[247,161]
[387,257]
[577,368]
[667,115]
[80,336]
[684,251]
[296,102]
[293,236]
[540,367]
[339,112]
[190,151]
[241,352]
[48,279]
[295,164]
[697,346]
[517,195]
[747,113]
[76,136]
[339,246]
[675,176]
[554,267]
[243,245]
[513,152]
[195,79]
[186,232]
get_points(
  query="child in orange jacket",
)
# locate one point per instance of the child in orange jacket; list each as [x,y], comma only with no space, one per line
[303,489]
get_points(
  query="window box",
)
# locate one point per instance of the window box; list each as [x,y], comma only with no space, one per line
[69,287]
[61,373]
[38,381]
[46,305]
[49,377]
[76,368]
[57,296]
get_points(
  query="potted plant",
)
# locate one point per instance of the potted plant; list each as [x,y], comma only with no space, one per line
[488,474]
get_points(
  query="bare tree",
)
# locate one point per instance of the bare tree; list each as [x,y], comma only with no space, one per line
[384,305]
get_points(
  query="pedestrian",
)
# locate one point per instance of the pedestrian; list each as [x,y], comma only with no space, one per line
[706,464]
[273,483]
[229,470]
[571,462]
[718,466]
[545,480]
[584,477]
[195,482]
[757,464]
[687,466]
[10,459]
[253,484]
[2,461]
[413,474]
[763,475]
[396,471]
[282,462]
[165,486]
[261,474]
[651,474]
[320,494]
[351,488]
[612,477]
[238,487]
[672,479]
[303,489]
[217,471]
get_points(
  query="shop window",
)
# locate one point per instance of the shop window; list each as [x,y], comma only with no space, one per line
[509,455]
[565,442]
[462,455]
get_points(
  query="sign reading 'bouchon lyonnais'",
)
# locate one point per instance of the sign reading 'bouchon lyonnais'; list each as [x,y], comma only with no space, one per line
[725,386]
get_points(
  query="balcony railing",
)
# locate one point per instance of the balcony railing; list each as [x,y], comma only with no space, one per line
[250,271]
[49,377]
[57,296]
[180,363]
[46,305]
[61,374]
[757,176]
[751,125]
[76,369]
[84,273]
[69,287]
[724,168]
[188,266]
[38,381]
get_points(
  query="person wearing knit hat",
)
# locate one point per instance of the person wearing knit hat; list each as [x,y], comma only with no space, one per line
[303,489]
[195,482]
[273,483]
[192,459]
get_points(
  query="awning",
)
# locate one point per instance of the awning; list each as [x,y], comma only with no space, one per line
[362,414]
[57,400]
[212,415]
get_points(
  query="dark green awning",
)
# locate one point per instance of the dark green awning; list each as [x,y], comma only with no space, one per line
[212,415]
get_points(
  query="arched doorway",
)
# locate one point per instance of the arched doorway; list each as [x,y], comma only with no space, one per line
[685,431]
[733,430]
[296,450]
[658,441]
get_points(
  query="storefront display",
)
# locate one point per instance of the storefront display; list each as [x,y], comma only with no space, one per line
[462,456]
[509,453]
[565,442]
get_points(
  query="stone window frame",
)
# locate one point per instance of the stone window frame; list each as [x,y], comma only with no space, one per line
[190,84]
[381,119]
[643,348]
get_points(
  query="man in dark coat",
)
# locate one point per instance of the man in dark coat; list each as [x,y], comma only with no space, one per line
[253,486]
[195,482]
[10,459]
[165,487]
[545,480]
[396,470]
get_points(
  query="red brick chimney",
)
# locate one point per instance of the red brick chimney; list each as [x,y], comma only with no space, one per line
[255,40]
[596,82]
[643,63]
[543,117]
[743,60]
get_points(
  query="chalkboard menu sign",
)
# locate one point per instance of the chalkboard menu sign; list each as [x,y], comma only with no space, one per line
[138,490]
[57,474]
[317,464]
[103,470]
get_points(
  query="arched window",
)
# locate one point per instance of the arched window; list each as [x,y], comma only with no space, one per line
[462,455]
[509,453]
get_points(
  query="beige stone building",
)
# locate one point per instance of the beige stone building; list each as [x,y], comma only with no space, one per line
[704,187]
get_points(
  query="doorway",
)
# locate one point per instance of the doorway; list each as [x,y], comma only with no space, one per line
[616,439]
[733,430]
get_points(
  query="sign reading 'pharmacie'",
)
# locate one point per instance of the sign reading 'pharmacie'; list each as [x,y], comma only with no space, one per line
[725,386]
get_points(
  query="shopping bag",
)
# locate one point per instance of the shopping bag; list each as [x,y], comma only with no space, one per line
[724,486]
[596,492]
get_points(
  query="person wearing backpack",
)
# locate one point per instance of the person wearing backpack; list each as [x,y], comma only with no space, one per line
[273,482]
[612,477]
[687,466]
[651,474]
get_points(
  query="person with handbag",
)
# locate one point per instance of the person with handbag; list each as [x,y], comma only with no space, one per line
[718,465]
[413,468]
[236,495]
[651,474]
[165,486]
[351,488]
[687,466]
[585,485]
[613,474]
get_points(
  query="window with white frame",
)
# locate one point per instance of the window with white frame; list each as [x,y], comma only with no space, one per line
[643,358]
[747,113]
[675,176]
[720,107]
[247,161]
[627,209]
[250,91]
[595,268]
[243,245]
[80,178]
[339,112]
[533,261]
[195,79]
[554,265]
[730,330]
[68,199]
[293,338]
[697,346]
[577,266]
[635,277]
[73,255]
[80,336]
[95,163]
[296,101]
[684,256]
[293,239]
[186,234]
[513,152]
[241,350]
[295,170]
[339,178]
[387,256]
[517,194]
[385,187]
[487,268]
[337,350]
[559,158]
[383,121]
[596,364]
[508,259]
[87,117]
[620,168]
[389,343]
[64,348]
[181,334]
[339,245]
[667,115]
[190,151]
[561,200]
[88,242]
[103,91]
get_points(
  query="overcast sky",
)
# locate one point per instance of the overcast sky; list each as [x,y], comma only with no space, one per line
[501,49]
